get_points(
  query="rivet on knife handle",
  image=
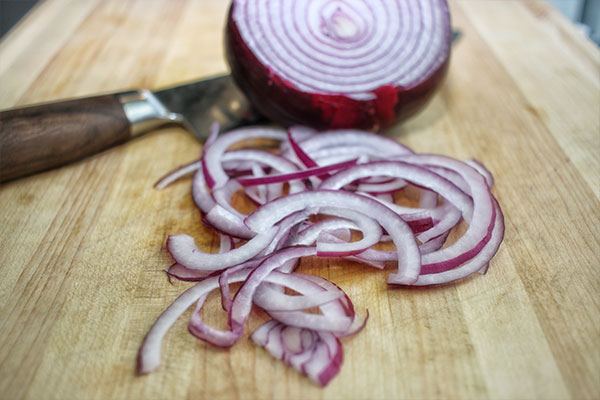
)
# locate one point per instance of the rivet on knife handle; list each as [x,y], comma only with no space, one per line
[40,137]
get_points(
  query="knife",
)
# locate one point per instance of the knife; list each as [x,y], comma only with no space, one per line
[40,137]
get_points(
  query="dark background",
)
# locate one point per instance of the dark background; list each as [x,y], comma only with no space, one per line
[11,11]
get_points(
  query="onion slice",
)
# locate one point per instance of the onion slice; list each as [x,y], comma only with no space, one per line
[184,250]
[315,354]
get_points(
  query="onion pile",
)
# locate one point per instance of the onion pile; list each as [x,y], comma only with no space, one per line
[353,181]
[338,64]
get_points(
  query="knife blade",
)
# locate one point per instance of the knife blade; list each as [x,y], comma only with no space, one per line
[44,136]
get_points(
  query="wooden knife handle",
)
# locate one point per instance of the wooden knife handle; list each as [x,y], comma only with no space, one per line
[37,138]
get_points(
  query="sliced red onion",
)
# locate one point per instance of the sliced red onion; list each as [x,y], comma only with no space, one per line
[311,232]
[345,304]
[223,195]
[428,199]
[418,219]
[381,188]
[479,167]
[184,250]
[317,171]
[280,230]
[481,220]
[228,222]
[409,265]
[260,192]
[200,194]
[348,152]
[177,174]
[385,197]
[182,273]
[326,237]
[249,266]
[362,64]
[319,322]
[447,217]
[477,263]
[269,298]
[274,191]
[243,299]
[382,146]
[274,161]
[254,193]
[334,230]
[304,158]
[476,236]
[242,302]
[285,228]
[149,353]
[337,316]
[317,355]
[212,159]
[370,229]
[434,244]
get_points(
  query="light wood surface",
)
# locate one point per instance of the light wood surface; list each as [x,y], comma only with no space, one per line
[82,247]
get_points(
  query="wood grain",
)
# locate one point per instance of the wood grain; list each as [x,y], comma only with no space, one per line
[83,246]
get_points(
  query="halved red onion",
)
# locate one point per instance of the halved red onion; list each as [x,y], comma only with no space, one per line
[361,64]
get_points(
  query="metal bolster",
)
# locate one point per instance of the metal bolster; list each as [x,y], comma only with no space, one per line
[145,112]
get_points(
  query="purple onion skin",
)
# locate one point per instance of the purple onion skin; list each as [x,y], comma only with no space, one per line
[280,101]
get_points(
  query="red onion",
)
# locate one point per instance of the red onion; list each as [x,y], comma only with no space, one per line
[316,354]
[338,64]
[356,193]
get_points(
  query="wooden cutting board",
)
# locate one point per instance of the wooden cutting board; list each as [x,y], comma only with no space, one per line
[83,246]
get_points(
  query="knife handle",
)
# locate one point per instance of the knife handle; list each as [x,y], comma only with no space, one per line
[45,136]
[37,138]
